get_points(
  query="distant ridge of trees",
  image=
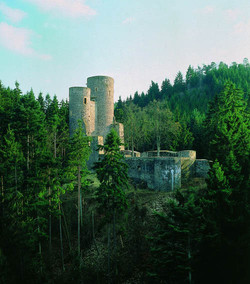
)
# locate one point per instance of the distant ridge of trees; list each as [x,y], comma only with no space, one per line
[186,100]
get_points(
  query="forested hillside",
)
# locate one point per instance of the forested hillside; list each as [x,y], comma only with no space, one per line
[181,108]
[60,223]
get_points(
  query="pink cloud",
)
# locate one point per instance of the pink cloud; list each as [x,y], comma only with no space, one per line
[232,14]
[18,40]
[14,15]
[71,8]
[242,28]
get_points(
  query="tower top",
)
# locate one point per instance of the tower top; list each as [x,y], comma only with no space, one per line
[101,77]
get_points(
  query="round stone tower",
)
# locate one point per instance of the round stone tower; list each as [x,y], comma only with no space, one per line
[102,92]
[79,109]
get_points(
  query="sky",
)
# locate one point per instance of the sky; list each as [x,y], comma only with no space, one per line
[52,45]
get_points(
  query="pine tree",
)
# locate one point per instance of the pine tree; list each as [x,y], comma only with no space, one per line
[174,240]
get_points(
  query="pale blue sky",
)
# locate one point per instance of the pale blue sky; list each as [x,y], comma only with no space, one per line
[51,45]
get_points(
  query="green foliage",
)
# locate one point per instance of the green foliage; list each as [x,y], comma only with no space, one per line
[79,148]
[174,240]
[30,164]
[227,128]
[112,173]
[200,236]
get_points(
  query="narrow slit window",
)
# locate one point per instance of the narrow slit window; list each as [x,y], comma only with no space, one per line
[109,93]
[85,101]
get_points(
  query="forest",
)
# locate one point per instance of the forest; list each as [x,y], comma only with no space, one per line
[62,222]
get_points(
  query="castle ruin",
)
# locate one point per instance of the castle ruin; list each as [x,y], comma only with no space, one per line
[94,107]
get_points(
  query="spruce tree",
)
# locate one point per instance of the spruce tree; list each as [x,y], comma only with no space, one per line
[227,126]
[112,173]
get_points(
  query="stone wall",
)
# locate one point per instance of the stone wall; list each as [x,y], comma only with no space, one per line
[191,154]
[200,168]
[129,153]
[92,115]
[162,174]
[163,153]
[120,130]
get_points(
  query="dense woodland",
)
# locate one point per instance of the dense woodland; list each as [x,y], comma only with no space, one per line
[183,105]
[61,223]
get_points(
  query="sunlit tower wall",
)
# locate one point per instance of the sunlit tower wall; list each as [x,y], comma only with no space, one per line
[102,92]
[80,109]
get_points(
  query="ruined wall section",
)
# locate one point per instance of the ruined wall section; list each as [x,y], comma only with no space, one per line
[162,174]
[94,155]
[119,127]
[200,168]
[102,92]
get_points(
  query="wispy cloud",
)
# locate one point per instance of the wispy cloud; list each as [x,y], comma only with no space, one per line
[128,20]
[18,40]
[232,14]
[207,10]
[242,28]
[14,15]
[70,8]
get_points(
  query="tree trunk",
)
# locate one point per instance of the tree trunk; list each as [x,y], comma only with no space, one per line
[114,230]
[2,188]
[66,228]
[109,253]
[60,229]
[189,260]
[39,246]
[158,144]
[28,152]
[93,232]
[55,145]
[79,213]
[132,146]
[81,205]
[16,176]
[114,247]
[50,245]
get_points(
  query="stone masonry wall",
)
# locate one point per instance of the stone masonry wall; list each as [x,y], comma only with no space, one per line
[162,174]
[200,168]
